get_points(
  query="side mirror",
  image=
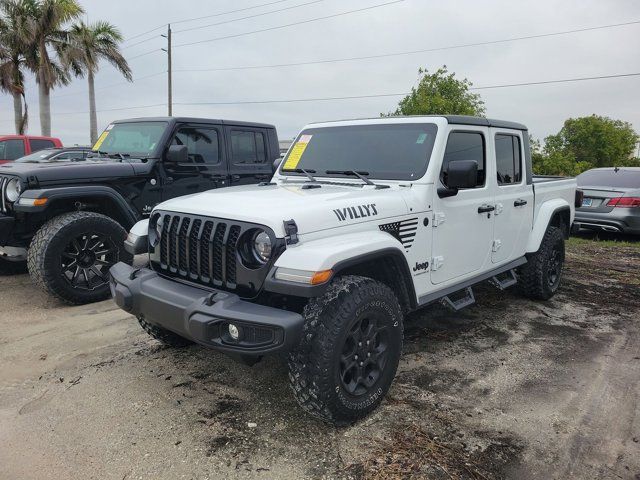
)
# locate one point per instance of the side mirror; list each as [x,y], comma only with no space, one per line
[460,174]
[177,154]
[277,162]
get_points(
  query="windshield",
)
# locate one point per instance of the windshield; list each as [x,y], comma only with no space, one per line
[623,178]
[37,156]
[135,139]
[393,151]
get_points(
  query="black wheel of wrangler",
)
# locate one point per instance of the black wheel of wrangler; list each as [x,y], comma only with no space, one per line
[9,267]
[163,335]
[540,277]
[350,350]
[70,256]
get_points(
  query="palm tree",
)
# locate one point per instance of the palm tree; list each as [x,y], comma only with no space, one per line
[87,45]
[47,23]
[14,40]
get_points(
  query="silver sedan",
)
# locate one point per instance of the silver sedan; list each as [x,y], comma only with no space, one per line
[611,200]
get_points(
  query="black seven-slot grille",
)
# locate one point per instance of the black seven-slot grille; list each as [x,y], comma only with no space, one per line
[206,250]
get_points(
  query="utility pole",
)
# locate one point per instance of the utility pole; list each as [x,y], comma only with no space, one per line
[169,73]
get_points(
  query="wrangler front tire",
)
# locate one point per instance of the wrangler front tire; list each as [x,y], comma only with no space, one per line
[349,353]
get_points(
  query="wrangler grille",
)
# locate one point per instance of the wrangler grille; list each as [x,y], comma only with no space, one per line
[206,251]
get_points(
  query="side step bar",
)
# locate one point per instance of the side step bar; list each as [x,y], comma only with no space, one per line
[459,303]
[504,280]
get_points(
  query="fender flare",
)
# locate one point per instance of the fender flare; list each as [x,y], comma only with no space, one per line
[70,193]
[348,251]
[542,220]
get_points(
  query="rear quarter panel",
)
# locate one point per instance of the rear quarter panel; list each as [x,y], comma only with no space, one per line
[551,195]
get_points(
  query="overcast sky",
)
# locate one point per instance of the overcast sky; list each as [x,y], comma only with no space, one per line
[407,25]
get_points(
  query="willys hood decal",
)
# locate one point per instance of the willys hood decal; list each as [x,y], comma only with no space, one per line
[313,209]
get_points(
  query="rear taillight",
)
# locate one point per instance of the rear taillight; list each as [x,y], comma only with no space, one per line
[625,202]
[579,198]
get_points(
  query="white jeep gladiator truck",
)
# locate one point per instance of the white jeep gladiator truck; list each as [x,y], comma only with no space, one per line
[364,222]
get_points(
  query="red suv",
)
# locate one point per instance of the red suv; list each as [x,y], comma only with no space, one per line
[16,146]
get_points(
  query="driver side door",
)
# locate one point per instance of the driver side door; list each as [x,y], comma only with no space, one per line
[206,167]
[463,230]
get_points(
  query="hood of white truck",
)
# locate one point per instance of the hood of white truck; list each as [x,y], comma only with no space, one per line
[313,209]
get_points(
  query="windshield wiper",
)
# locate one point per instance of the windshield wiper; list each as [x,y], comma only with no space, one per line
[307,172]
[361,175]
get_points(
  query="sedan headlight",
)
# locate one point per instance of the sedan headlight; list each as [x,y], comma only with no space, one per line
[13,191]
[262,246]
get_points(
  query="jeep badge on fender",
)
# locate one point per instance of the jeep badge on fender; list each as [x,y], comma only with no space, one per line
[364,222]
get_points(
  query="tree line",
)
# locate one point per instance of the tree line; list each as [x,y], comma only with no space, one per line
[582,143]
[47,38]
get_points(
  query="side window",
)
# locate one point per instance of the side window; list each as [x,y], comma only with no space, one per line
[508,159]
[202,144]
[38,144]
[11,149]
[248,147]
[465,146]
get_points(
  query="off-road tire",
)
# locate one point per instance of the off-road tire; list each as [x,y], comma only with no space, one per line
[48,244]
[534,277]
[8,267]
[315,365]
[163,335]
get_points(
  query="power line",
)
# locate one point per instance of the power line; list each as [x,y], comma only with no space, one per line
[247,17]
[566,80]
[288,24]
[115,109]
[351,97]
[224,22]
[107,87]
[203,17]
[410,52]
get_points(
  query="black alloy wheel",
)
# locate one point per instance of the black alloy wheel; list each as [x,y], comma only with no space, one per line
[364,355]
[86,260]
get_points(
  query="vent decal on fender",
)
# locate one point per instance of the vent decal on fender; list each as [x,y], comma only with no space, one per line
[404,231]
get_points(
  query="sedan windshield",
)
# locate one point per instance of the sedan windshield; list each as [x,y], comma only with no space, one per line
[132,139]
[392,151]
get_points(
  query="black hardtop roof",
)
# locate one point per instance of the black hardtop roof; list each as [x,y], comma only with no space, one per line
[484,122]
[455,120]
[196,120]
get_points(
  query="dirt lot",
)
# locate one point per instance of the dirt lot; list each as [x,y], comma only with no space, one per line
[507,389]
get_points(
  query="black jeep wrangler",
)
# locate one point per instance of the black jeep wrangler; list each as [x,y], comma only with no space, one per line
[68,221]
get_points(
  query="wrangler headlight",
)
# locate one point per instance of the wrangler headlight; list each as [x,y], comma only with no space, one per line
[262,246]
[13,191]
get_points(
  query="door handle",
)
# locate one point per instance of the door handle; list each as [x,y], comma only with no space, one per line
[486,208]
[519,203]
[235,177]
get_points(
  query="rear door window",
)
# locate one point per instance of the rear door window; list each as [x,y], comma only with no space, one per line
[248,147]
[37,144]
[508,159]
[11,149]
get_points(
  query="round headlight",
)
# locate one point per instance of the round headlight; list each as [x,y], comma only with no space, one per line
[14,189]
[262,247]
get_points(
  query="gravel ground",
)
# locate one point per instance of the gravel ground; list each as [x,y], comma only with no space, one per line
[508,388]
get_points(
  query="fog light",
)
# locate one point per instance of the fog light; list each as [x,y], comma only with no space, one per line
[234,332]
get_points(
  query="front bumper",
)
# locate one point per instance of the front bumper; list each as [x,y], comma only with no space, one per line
[204,315]
[6,229]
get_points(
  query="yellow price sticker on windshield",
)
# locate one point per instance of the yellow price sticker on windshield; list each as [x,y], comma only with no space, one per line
[100,140]
[295,155]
